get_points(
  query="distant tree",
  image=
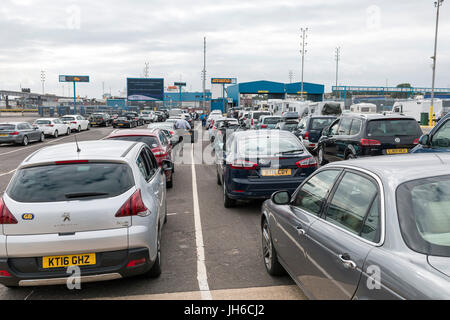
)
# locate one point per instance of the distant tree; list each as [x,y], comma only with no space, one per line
[402,95]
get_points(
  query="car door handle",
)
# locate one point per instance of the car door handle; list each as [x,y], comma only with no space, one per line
[301,231]
[347,262]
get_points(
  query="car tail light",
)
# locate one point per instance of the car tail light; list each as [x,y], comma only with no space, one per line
[416,141]
[263,126]
[252,121]
[171,133]
[6,216]
[134,263]
[133,206]
[158,152]
[71,162]
[4,273]
[73,122]
[370,143]
[307,163]
[50,125]
[244,165]
[306,137]
[15,133]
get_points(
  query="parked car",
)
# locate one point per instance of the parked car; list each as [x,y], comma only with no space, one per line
[124,121]
[254,164]
[20,133]
[135,115]
[147,116]
[438,140]
[52,127]
[213,130]
[100,119]
[268,122]
[290,125]
[156,140]
[107,220]
[76,122]
[364,135]
[310,129]
[288,115]
[364,229]
[253,118]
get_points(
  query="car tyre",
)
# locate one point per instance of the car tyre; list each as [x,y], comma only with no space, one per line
[219,182]
[273,266]
[227,201]
[25,141]
[79,129]
[169,183]
[68,131]
[156,270]
[42,139]
[320,157]
[56,134]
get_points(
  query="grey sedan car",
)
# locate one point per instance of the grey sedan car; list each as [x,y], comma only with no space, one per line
[365,229]
[20,133]
[107,220]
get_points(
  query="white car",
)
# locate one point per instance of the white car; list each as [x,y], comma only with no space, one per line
[212,118]
[52,127]
[107,221]
[76,122]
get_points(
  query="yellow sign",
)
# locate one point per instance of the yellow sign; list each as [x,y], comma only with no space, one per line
[67,261]
[223,80]
[263,91]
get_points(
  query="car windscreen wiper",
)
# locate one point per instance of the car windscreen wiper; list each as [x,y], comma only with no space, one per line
[292,151]
[85,195]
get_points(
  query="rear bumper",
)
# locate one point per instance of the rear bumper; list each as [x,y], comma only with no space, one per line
[110,265]
[11,139]
[243,189]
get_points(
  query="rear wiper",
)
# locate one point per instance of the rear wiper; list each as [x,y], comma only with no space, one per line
[292,151]
[85,195]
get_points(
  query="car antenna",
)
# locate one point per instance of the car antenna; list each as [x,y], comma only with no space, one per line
[78,147]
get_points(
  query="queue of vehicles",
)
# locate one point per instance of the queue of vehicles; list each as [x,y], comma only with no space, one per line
[375,226]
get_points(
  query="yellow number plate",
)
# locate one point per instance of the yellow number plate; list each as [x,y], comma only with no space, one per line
[93,122]
[396,151]
[67,261]
[275,172]
[4,135]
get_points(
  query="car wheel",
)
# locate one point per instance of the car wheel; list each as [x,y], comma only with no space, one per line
[79,129]
[273,266]
[68,131]
[219,182]
[42,139]
[155,271]
[25,141]
[56,134]
[320,157]
[169,183]
[350,156]
[227,201]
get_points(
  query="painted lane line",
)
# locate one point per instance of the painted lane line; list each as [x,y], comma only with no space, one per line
[202,276]
[7,173]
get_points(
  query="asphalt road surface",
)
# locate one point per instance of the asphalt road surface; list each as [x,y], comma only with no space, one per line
[208,252]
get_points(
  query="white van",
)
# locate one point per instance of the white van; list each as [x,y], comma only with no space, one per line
[414,108]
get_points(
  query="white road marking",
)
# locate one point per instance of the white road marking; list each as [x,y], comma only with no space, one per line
[202,276]
[7,173]
[171,214]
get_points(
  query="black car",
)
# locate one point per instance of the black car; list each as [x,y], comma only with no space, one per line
[358,135]
[100,119]
[126,121]
[161,116]
[310,129]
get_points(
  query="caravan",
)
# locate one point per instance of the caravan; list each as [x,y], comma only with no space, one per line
[326,108]
[415,108]
[365,108]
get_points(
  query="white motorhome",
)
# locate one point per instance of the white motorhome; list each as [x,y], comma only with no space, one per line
[366,108]
[301,107]
[326,108]
[414,108]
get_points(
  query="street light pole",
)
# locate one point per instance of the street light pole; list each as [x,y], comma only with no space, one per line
[43,81]
[437,4]
[303,52]
[338,58]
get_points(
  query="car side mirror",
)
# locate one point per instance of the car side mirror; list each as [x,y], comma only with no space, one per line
[167,165]
[326,131]
[281,198]
[425,140]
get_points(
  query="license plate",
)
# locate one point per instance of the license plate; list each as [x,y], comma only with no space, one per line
[276,172]
[396,151]
[120,124]
[4,135]
[67,261]
[93,122]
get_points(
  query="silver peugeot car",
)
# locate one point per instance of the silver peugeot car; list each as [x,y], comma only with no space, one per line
[365,229]
[98,205]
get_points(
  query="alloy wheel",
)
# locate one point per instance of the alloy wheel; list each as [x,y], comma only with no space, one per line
[267,246]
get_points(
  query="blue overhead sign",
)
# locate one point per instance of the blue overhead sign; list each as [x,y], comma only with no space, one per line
[145,89]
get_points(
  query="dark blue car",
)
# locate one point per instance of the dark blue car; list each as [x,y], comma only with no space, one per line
[255,164]
[438,140]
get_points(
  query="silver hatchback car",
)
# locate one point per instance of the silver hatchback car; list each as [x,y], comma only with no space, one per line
[101,208]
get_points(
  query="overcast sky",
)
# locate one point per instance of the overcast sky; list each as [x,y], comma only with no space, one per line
[110,40]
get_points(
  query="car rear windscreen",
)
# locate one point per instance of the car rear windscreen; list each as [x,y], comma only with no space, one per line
[257,115]
[393,127]
[43,122]
[319,124]
[267,146]
[151,141]
[271,120]
[7,127]
[71,182]
[68,119]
